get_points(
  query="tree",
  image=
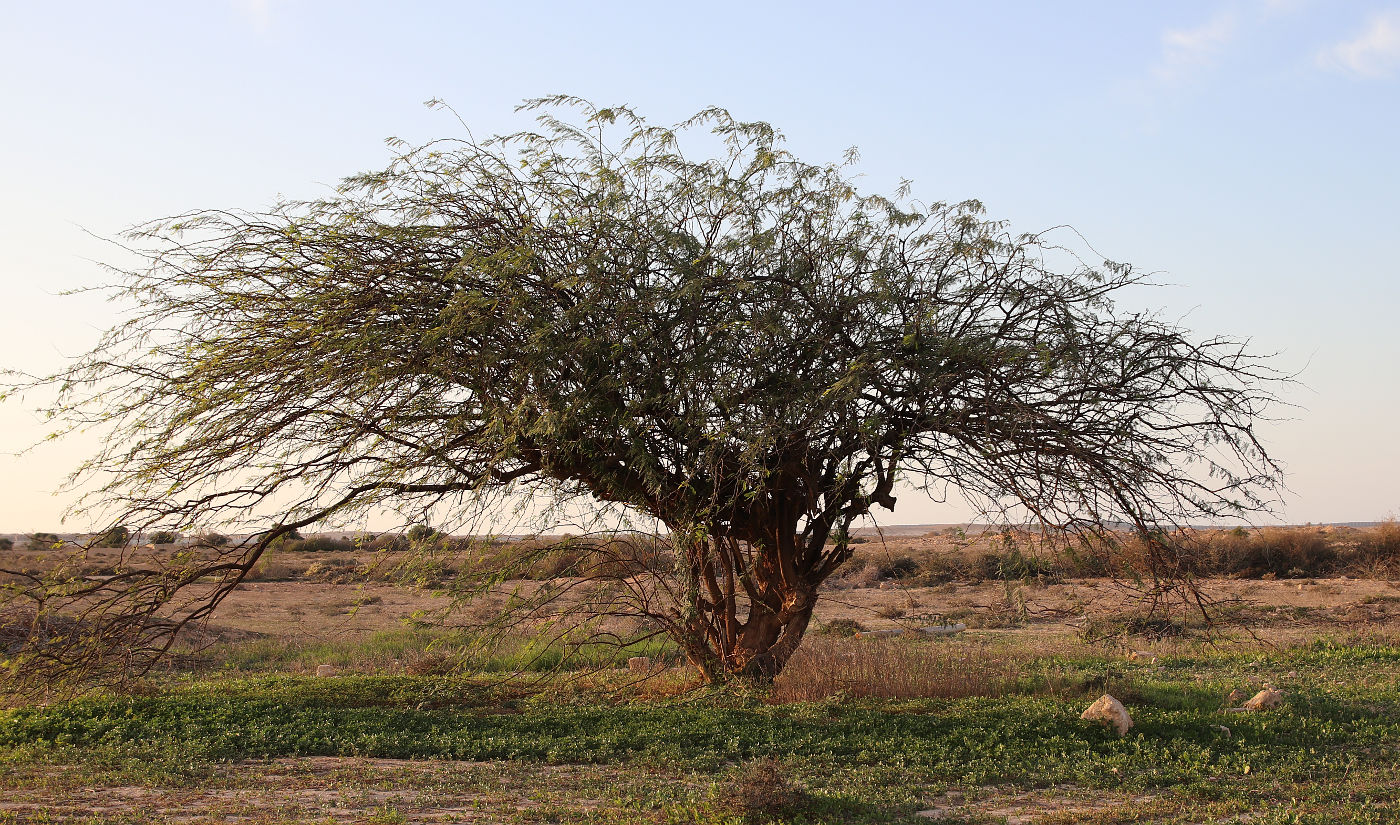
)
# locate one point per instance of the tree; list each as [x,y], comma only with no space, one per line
[743,348]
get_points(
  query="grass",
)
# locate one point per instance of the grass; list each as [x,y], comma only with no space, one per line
[1328,756]
[415,651]
[824,668]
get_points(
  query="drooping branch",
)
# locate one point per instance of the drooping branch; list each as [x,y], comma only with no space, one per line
[742,348]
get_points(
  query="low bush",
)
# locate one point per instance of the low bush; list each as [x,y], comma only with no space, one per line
[902,567]
[1014,565]
[319,544]
[1282,552]
[841,627]
[1378,551]
[761,791]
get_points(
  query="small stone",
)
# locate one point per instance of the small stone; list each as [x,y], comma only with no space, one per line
[1292,674]
[639,663]
[1235,698]
[325,670]
[1223,730]
[1266,699]
[1109,711]
[943,629]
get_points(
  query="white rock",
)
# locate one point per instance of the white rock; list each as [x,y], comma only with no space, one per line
[325,670]
[1109,711]
[1266,699]
[943,629]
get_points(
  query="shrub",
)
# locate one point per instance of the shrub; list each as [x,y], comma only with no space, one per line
[319,544]
[855,573]
[1378,551]
[1013,565]
[334,570]
[273,567]
[762,792]
[42,541]
[116,537]
[420,533]
[1276,551]
[1089,560]
[841,627]
[6,543]
[899,568]
[164,537]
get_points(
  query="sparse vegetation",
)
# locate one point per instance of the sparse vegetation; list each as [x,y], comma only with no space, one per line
[858,730]
[721,756]
[1272,552]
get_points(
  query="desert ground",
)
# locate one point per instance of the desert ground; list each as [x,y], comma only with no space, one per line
[412,721]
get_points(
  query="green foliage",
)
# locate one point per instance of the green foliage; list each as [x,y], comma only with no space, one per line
[1328,728]
[6,543]
[742,347]
[1326,757]
[42,541]
[116,537]
[1015,565]
[842,627]
[902,567]
[160,537]
[423,533]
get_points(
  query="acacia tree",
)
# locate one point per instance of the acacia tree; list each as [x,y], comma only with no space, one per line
[742,347]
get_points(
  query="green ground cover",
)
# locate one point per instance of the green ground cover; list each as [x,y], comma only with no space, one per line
[1327,756]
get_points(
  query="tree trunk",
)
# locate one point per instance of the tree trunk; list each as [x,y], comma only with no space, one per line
[763,574]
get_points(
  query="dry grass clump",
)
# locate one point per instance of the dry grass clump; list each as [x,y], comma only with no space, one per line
[893,669]
[1378,551]
[1278,551]
[761,791]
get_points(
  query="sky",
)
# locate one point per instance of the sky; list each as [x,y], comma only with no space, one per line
[1246,151]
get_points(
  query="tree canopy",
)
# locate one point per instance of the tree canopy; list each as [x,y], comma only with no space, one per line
[741,346]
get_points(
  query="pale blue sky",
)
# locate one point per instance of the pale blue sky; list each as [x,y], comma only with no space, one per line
[1245,150]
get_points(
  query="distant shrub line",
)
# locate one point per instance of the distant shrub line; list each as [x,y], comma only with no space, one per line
[1270,552]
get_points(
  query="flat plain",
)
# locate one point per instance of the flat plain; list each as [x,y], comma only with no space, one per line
[424,723]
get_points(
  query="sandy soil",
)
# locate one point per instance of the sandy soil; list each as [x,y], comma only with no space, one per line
[1278,610]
